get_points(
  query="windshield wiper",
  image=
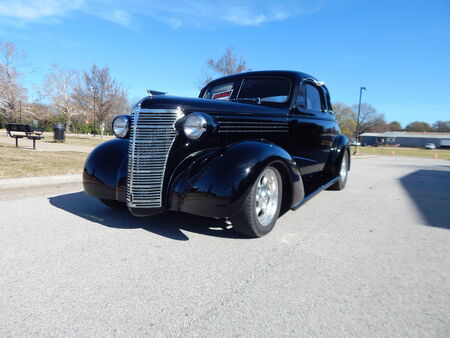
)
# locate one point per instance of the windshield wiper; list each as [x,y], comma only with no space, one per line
[257,100]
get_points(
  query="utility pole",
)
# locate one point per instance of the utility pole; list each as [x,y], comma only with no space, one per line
[357,121]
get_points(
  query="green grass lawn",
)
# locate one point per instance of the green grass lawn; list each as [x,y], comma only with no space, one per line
[20,162]
[400,151]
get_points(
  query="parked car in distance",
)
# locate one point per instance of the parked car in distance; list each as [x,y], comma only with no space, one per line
[430,146]
[251,147]
[355,143]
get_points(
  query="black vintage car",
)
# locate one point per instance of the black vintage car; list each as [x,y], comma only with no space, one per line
[251,147]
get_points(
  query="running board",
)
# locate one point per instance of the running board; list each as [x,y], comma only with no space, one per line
[314,193]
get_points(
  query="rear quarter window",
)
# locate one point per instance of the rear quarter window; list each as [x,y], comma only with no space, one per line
[220,92]
[313,101]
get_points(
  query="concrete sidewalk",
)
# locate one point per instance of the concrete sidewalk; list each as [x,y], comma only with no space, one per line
[28,186]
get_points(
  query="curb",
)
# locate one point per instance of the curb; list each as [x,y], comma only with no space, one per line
[11,184]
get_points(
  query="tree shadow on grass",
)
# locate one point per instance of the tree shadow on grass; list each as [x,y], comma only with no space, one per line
[168,224]
[430,191]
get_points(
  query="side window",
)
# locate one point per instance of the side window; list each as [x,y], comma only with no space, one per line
[313,101]
[301,98]
[327,98]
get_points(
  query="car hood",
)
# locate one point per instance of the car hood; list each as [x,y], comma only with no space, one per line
[189,105]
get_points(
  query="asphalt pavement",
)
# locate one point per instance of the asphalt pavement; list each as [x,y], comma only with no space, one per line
[372,260]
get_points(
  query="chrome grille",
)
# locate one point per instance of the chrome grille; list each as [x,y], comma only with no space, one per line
[151,137]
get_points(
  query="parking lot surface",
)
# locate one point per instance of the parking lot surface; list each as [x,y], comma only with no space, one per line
[372,260]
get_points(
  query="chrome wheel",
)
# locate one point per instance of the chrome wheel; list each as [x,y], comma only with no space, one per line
[262,205]
[343,171]
[267,197]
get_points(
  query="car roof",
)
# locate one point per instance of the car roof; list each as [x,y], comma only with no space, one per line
[293,75]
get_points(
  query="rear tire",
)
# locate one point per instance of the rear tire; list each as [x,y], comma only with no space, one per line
[113,204]
[343,173]
[262,205]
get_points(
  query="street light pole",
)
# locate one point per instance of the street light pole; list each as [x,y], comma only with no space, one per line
[357,121]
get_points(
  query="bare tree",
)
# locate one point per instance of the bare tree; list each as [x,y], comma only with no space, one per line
[345,116]
[227,64]
[39,111]
[369,118]
[59,87]
[100,95]
[12,93]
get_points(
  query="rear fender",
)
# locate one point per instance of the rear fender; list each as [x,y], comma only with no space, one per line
[340,145]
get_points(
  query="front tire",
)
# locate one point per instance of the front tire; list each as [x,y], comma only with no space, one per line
[262,205]
[343,173]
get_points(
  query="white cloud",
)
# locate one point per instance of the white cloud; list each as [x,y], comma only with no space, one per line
[23,11]
[176,13]
[235,12]
[244,15]
[174,23]
[118,16]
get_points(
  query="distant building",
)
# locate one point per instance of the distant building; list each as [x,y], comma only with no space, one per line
[406,139]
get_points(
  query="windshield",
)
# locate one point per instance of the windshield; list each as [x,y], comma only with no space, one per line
[267,90]
[220,92]
[252,90]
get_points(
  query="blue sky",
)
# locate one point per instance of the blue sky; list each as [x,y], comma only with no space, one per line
[399,50]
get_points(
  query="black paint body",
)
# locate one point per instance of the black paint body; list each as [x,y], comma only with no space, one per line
[211,176]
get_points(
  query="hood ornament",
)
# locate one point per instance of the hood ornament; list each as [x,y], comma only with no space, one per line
[152,92]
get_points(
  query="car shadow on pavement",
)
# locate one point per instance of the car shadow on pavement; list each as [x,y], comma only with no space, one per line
[430,191]
[169,224]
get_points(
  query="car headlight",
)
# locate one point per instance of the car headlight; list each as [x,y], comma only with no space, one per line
[194,125]
[121,126]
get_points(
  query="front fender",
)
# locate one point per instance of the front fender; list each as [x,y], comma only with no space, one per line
[216,183]
[105,171]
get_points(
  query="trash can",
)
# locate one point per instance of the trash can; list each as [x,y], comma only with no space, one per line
[59,132]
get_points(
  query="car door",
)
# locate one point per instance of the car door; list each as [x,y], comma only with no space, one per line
[312,128]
